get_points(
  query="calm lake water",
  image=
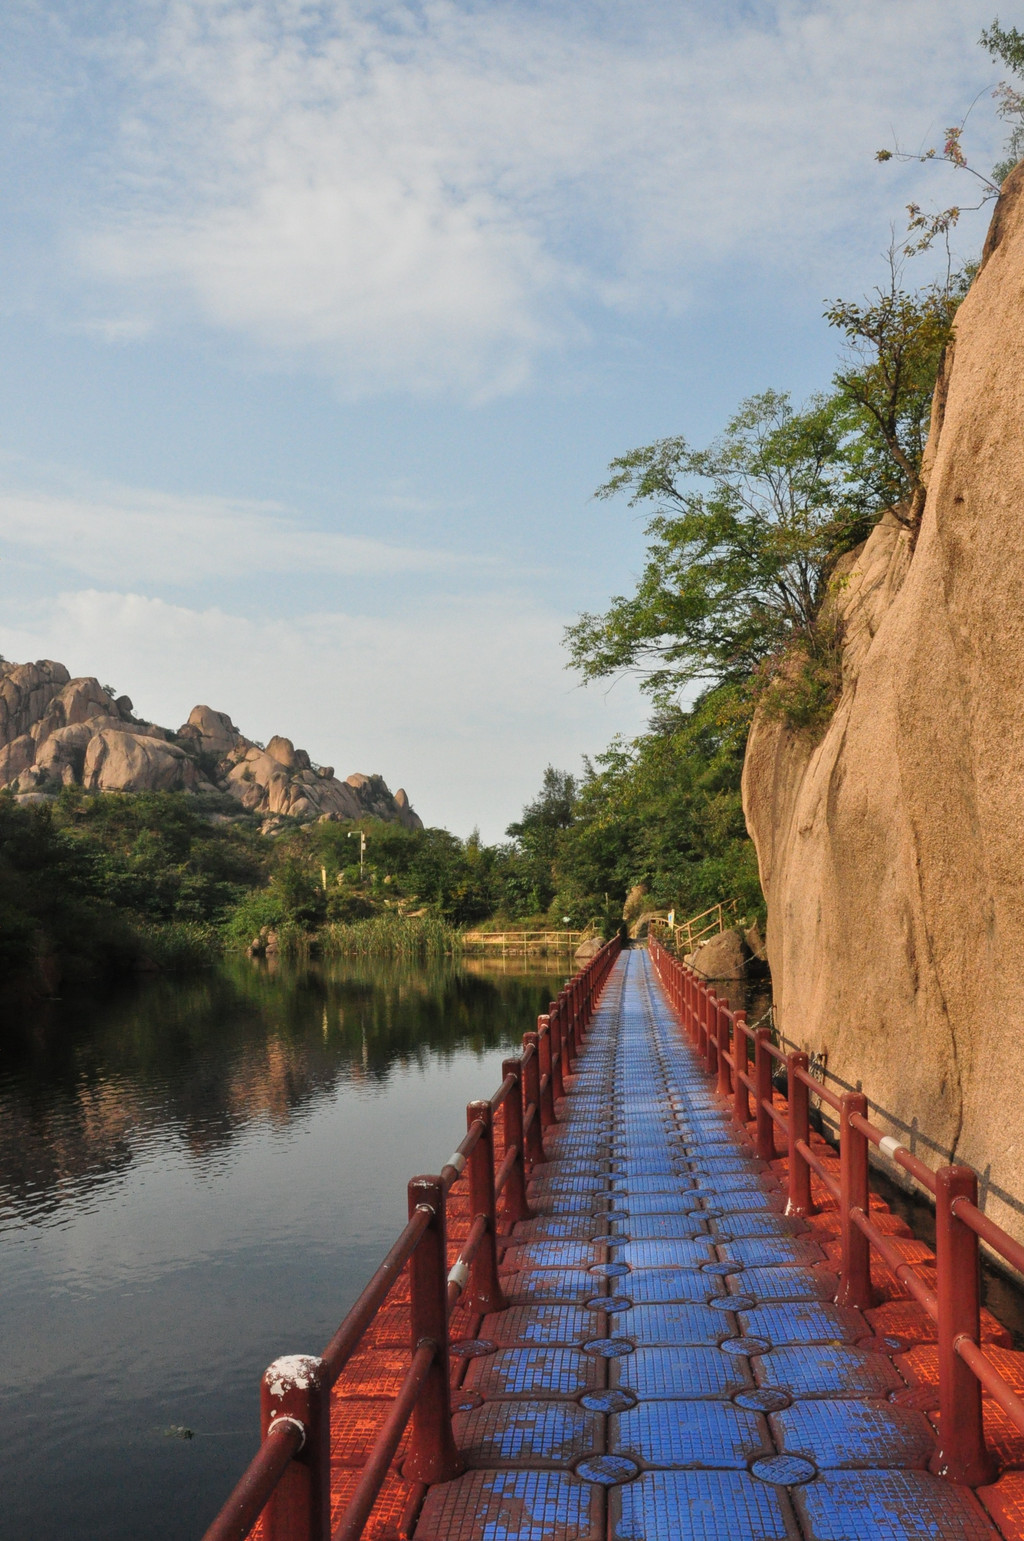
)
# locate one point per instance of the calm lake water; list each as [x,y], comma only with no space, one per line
[195,1177]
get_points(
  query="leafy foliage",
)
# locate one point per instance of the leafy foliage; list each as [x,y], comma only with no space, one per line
[529,879]
[896,340]
[94,886]
[1007,45]
[664,810]
[736,568]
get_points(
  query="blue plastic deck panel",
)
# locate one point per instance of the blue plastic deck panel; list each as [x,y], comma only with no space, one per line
[734,1404]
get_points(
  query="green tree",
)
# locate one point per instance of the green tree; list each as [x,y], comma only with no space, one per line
[740,549]
[896,340]
[1006,45]
[664,810]
[536,835]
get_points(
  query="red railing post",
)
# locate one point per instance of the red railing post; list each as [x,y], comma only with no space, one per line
[711,1035]
[517,1205]
[764,1138]
[432,1455]
[558,1047]
[855,1278]
[741,1056]
[534,1136]
[484,1284]
[961,1454]
[569,1014]
[295,1390]
[702,1020]
[799,1200]
[722,1049]
[547,1100]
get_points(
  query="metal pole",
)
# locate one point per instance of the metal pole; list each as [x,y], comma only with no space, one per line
[799,1201]
[432,1454]
[722,1048]
[531,1085]
[484,1285]
[765,1133]
[557,1022]
[711,1034]
[961,1454]
[740,1053]
[855,1278]
[294,1390]
[547,1100]
[516,1202]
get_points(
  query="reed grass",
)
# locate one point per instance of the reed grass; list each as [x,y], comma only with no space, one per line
[393,936]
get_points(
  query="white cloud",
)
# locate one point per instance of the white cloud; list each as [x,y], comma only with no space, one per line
[462,705]
[139,536]
[431,195]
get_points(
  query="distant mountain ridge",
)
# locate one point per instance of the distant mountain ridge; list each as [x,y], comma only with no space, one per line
[57,731]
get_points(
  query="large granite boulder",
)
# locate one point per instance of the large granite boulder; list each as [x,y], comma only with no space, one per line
[26,691]
[56,731]
[116,761]
[892,851]
[722,961]
[212,732]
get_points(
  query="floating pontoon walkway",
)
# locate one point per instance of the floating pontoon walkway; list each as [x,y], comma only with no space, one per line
[669,1361]
[670,1364]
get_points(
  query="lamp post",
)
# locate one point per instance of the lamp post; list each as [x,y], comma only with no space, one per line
[352,834]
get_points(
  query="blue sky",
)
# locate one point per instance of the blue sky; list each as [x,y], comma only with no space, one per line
[320,322]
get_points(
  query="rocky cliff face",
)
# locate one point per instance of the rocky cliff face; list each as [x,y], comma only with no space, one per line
[57,731]
[892,852]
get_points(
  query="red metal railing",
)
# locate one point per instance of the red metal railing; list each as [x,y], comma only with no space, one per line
[725,1042]
[288,1483]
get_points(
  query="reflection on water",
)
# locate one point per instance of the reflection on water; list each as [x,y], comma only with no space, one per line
[195,1176]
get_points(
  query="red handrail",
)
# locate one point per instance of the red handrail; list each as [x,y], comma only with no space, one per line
[954,1305]
[288,1481]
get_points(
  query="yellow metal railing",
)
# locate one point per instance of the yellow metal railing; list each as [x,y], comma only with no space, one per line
[685,935]
[524,941]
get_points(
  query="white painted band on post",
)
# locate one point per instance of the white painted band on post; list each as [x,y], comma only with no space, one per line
[458,1161]
[888,1146]
[285,1418]
[459,1274]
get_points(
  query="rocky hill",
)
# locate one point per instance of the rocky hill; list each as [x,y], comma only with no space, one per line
[57,731]
[892,851]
